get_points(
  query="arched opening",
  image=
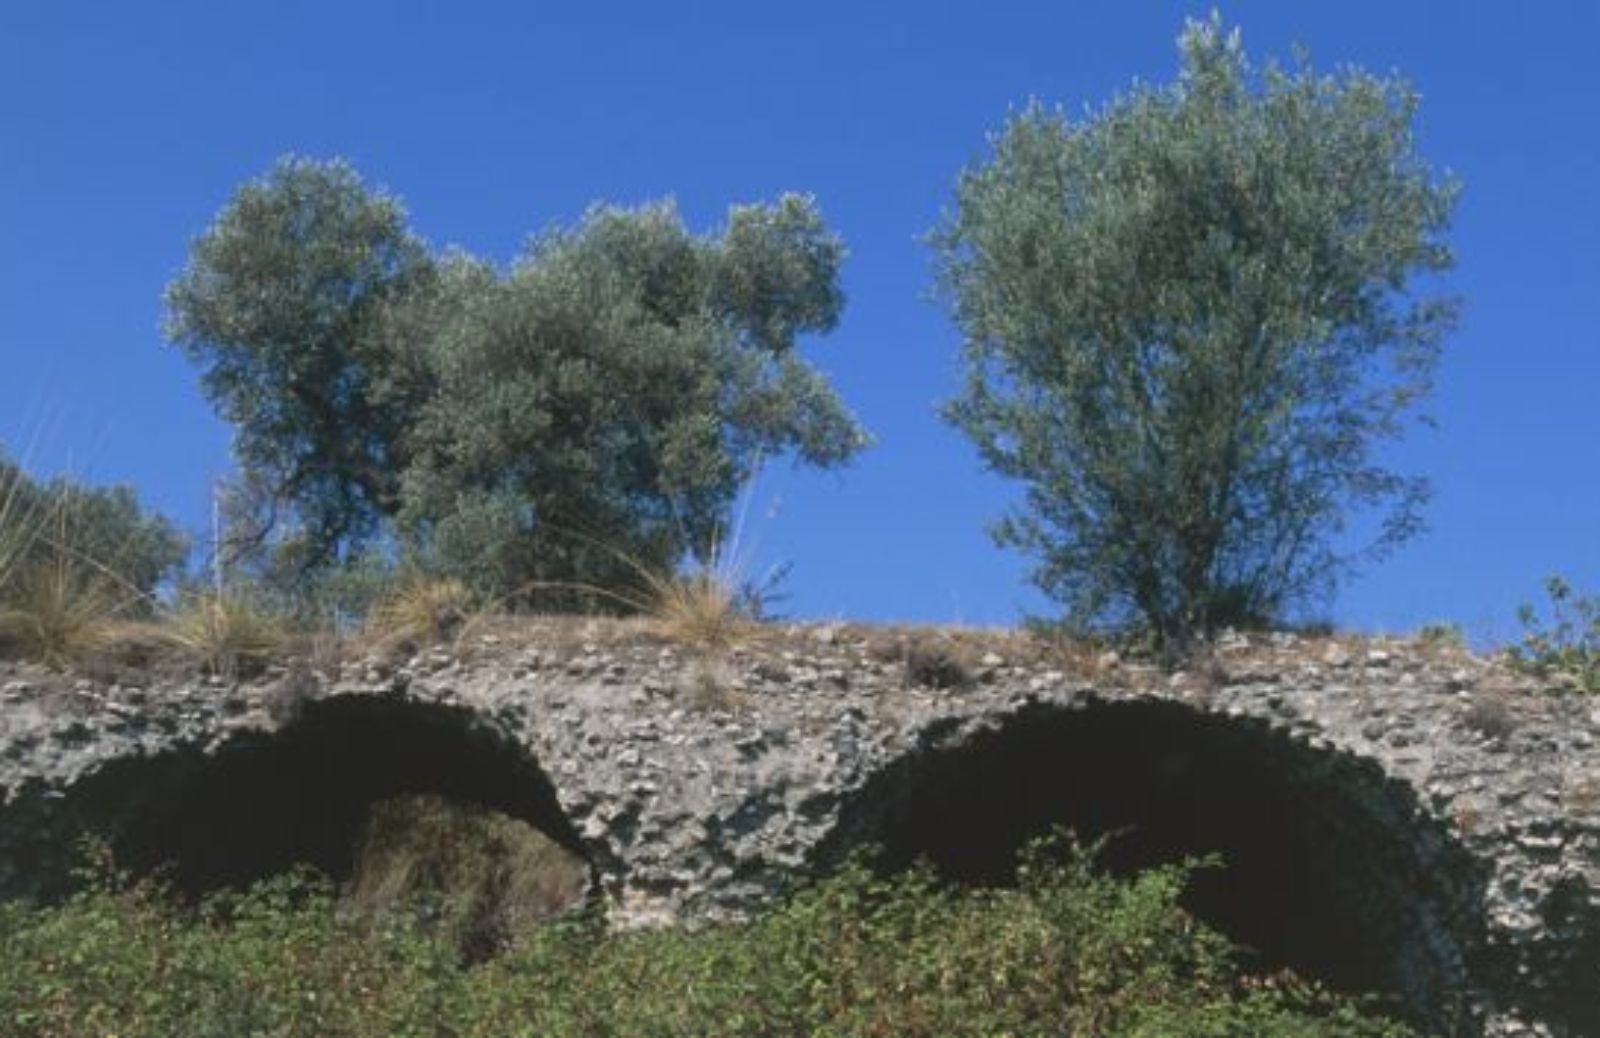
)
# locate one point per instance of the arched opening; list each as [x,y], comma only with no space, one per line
[305,794]
[1330,869]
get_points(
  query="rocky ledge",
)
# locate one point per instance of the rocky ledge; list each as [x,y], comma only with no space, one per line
[1392,816]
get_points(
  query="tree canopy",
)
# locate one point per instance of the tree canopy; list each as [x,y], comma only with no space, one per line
[288,306]
[1189,320]
[605,396]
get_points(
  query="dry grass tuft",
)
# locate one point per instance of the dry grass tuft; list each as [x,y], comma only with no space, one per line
[706,685]
[54,609]
[700,606]
[1490,715]
[423,609]
[940,663]
[709,604]
[19,525]
[226,634]
[58,611]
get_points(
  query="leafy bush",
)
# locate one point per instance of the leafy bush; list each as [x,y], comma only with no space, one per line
[1567,644]
[1069,952]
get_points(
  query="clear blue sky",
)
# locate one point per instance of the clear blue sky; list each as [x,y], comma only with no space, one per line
[124,127]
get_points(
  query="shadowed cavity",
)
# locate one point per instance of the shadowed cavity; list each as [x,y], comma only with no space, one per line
[307,794]
[1330,870]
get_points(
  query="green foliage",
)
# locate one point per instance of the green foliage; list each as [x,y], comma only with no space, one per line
[1068,953]
[288,304]
[1567,644]
[607,398]
[1188,320]
[615,387]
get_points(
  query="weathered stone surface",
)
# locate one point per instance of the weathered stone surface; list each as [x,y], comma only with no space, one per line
[1403,816]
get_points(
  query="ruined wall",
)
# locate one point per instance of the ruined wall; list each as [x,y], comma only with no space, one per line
[1394,818]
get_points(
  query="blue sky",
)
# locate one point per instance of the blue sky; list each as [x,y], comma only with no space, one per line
[125,127]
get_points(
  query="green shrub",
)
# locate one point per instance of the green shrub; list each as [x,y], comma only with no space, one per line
[1067,953]
[1567,644]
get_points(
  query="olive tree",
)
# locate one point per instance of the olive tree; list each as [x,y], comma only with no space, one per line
[599,406]
[602,399]
[1190,321]
[287,304]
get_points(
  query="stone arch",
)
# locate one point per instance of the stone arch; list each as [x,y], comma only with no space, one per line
[263,802]
[1331,868]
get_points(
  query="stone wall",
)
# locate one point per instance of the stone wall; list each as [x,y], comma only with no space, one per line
[1393,817]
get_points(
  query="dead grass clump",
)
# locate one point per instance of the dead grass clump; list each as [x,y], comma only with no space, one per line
[707,685]
[700,606]
[422,609]
[1490,715]
[128,652]
[59,611]
[1582,793]
[57,605]
[228,635]
[323,650]
[932,658]
[489,878]
[937,664]
[711,602]
[19,522]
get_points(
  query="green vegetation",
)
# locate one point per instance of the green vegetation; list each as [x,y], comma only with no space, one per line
[1566,645]
[606,396]
[1067,953]
[1188,321]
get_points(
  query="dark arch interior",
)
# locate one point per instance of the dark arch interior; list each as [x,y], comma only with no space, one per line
[302,795]
[1329,870]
